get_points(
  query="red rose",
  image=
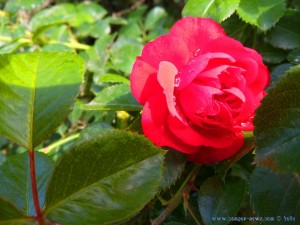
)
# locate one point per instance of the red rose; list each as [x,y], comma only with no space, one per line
[199,89]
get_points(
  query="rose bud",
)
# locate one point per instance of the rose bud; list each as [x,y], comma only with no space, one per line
[199,89]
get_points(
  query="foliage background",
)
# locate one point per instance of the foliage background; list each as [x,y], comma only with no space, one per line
[108,35]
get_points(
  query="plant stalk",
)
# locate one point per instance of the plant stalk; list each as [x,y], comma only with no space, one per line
[35,195]
[177,199]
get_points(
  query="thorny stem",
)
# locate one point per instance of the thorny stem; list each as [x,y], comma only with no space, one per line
[39,214]
[176,200]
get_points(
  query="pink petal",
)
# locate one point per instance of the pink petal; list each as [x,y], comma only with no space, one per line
[166,77]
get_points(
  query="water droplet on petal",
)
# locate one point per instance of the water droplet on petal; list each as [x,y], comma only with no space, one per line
[177,82]
[196,52]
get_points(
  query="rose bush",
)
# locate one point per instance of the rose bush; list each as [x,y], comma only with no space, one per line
[199,88]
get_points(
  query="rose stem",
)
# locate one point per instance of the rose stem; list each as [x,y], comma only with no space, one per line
[39,215]
[176,200]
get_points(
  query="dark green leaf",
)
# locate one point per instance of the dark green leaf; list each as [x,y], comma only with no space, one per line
[173,167]
[278,71]
[9,215]
[261,13]
[15,181]
[294,56]
[237,28]
[93,130]
[106,179]
[218,199]
[271,54]
[276,196]
[217,10]
[277,125]
[116,98]
[37,91]
[286,34]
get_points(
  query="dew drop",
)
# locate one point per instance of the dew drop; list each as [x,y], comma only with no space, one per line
[196,52]
[177,82]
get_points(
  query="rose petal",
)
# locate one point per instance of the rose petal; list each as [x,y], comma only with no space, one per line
[198,136]
[166,77]
[235,49]
[196,33]
[236,92]
[208,155]
[166,48]
[143,81]
[192,70]
[154,122]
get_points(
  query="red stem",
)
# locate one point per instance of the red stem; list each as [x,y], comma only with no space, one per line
[39,214]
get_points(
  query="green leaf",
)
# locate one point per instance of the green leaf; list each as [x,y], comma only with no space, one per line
[93,130]
[278,71]
[217,10]
[117,97]
[58,14]
[154,17]
[123,54]
[286,34]
[13,6]
[271,54]
[277,125]
[262,13]
[276,196]
[237,28]
[173,167]
[15,181]
[105,180]
[217,199]
[294,56]
[37,91]
[9,214]
[114,78]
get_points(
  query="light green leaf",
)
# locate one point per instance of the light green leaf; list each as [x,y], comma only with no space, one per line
[154,17]
[123,54]
[117,97]
[261,13]
[276,196]
[13,6]
[286,33]
[217,199]
[105,180]
[37,91]
[217,10]
[15,181]
[114,78]
[277,125]
[59,14]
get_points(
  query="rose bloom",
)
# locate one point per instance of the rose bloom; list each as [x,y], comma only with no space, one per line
[199,89]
